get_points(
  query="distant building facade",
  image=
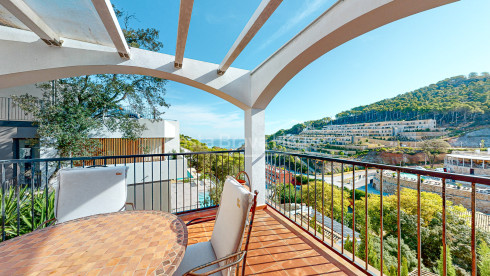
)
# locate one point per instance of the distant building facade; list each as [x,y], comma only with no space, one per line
[18,141]
[18,134]
[348,134]
[477,163]
[379,129]
[278,175]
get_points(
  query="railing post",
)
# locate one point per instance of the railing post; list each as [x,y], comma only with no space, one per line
[8,109]
[255,150]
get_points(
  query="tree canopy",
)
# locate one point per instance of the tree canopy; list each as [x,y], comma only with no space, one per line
[452,101]
[72,109]
[434,147]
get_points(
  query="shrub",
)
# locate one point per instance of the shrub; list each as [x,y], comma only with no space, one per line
[23,224]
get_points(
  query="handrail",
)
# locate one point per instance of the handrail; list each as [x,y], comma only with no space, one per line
[113,156]
[150,180]
[284,196]
[455,176]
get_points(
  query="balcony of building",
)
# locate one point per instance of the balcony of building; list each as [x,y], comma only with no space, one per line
[279,247]
[38,46]
[293,233]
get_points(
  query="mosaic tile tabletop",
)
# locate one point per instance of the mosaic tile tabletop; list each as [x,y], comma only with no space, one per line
[122,243]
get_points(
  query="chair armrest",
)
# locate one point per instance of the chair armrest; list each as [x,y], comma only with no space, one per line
[200,220]
[46,222]
[131,204]
[192,272]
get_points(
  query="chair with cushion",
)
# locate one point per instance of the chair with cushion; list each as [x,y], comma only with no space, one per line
[82,192]
[223,251]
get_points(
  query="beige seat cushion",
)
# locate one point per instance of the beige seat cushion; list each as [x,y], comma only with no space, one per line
[84,192]
[196,255]
[231,218]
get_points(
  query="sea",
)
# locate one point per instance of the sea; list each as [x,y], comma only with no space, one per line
[224,143]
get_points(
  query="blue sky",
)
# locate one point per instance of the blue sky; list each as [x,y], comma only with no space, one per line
[396,58]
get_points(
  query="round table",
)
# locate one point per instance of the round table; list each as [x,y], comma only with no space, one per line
[122,243]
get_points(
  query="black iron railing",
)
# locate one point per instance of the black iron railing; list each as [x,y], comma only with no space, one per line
[381,218]
[174,182]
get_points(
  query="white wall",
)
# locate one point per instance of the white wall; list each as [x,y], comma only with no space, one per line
[7,134]
[157,129]
[30,89]
[168,129]
[172,143]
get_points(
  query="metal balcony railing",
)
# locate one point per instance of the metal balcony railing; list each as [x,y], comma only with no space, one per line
[339,216]
[385,208]
[174,182]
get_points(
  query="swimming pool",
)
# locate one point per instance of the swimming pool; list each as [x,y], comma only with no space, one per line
[204,199]
[413,177]
[371,190]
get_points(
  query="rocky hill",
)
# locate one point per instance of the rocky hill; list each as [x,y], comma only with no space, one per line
[458,102]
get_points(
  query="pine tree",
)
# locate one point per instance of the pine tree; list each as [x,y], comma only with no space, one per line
[484,255]
[348,244]
[450,271]
[404,267]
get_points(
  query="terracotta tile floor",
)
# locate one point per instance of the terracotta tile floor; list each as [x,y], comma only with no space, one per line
[279,248]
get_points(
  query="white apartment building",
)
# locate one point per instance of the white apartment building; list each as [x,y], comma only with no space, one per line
[18,141]
[17,133]
[346,134]
[380,129]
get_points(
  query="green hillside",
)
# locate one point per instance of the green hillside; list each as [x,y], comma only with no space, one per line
[453,101]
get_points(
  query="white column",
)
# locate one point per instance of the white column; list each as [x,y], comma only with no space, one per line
[255,150]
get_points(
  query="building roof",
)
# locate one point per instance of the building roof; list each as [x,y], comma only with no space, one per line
[471,155]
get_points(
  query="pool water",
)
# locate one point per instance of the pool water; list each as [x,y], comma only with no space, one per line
[413,177]
[371,190]
[410,176]
[204,199]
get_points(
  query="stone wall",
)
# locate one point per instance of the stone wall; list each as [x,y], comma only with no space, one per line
[471,139]
[454,194]
[467,170]
[391,158]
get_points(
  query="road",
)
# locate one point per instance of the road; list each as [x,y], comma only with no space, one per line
[360,180]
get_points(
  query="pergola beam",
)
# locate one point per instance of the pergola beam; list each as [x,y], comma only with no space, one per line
[258,19]
[185,14]
[27,60]
[109,19]
[28,17]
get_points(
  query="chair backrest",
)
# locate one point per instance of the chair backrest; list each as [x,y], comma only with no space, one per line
[84,192]
[231,219]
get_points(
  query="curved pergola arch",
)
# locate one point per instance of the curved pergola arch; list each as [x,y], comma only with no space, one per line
[26,59]
[33,62]
[344,21]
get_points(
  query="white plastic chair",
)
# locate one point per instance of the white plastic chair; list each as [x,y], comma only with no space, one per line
[223,251]
[82,192]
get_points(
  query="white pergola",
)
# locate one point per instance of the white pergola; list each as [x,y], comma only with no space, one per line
[47,40]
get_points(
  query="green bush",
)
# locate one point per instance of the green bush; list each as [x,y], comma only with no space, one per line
[286,193]
[358,194]
[303,179]
[27,221]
